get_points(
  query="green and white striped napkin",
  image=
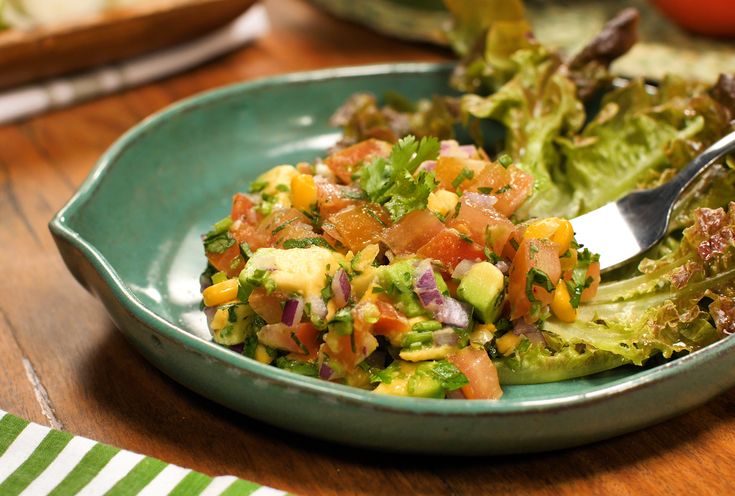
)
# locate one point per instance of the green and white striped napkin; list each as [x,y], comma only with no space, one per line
[36,460]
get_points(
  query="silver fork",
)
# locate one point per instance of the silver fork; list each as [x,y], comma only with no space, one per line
[623,229]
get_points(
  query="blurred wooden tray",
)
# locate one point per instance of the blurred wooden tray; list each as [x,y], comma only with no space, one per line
[111,36]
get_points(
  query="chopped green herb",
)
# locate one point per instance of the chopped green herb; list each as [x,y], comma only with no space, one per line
[513,243]
[426,325]
[251,343]
[218,243]
[505,188]
[536,277]
[342,322]
[464,237]
[245,251]
[258,186]
[485,190]
[391,182]
[282,188]
[505,160]
[449,375]
[298,342]
[352,194]
[464,174]
[417,337]
[283,226]
[302,368]
[327,292]
[305,243]
[375,216]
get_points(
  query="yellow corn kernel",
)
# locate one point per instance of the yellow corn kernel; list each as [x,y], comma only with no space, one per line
[568,262]
[561,307]
[560,231]
[303,191]
[218,294]
[482,334]
[261,354]
[507,343]
[442,201]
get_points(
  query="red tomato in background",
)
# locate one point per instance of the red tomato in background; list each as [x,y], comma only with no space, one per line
[710,17]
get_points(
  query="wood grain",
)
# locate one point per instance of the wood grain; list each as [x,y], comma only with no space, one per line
[99,387]
[43,52]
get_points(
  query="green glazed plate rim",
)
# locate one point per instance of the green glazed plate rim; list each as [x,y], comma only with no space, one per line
[62,226]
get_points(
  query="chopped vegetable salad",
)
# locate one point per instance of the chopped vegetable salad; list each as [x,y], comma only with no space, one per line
[392,267]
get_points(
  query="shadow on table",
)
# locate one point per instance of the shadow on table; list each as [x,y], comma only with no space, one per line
[156,416]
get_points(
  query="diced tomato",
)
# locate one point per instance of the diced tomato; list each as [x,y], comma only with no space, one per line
[344,162]
[229,261]
[412,232]
[286,338]
[510,186]
[272,227]
[480,372]
[450,248]
[480,219]
[359,225]
[594,272]
[540,254]
[457,172]
[246,233]
[295,230]
[391,323]
[267,305]
[241,207]
[331,198]
[514,241]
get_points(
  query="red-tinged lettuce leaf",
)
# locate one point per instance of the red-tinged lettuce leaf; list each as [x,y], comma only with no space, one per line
[682,302]
[362,117]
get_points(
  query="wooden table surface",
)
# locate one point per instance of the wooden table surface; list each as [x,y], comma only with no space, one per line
[63,363]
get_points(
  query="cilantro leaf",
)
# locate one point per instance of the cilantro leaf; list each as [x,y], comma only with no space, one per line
[391,181]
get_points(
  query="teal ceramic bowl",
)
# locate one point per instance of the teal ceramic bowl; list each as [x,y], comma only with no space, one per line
[131,236]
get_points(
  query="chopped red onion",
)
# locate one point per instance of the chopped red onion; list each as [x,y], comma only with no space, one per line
[425,287]
[530,331]
[204,282]
[325,371]
[462,268]
[479,200]
[292,312]
[457,394]
[341,288]
[318,307]
[209,313]
[426,165]
[503,265]
[446,145]
[237,348]
[470,150]
[445,336]
[453,313]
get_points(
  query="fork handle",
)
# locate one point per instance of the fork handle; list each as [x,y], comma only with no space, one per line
[694,168]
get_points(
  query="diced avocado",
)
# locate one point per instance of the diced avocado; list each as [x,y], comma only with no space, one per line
[410,379]
[483,287]
[429,353]
[398,279]
[231,323]
[424,384]
[298,270]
